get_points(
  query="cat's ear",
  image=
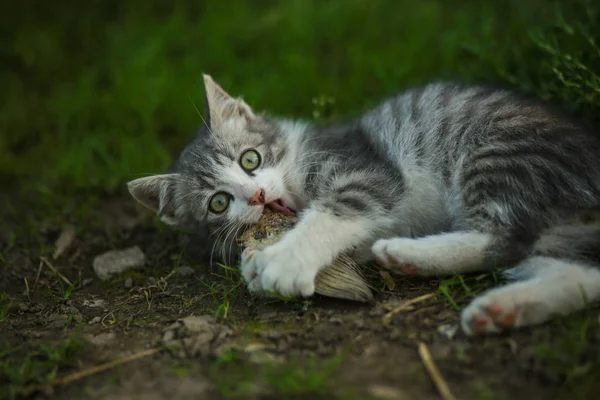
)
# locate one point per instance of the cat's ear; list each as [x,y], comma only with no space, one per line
[157,192]
[220,106]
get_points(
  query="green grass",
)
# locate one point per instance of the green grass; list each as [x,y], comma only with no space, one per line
[6,305]
[97,94]
[235,377]
[571,351]
[20,371]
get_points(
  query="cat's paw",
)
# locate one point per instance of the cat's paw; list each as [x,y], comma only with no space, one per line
[502,309]
[273,270]
[401,256]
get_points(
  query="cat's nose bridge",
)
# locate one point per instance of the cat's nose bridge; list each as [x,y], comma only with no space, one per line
[258,198]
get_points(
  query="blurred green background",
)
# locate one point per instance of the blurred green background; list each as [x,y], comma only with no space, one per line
[99,92]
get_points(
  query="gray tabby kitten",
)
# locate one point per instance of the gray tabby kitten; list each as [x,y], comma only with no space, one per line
[440,180]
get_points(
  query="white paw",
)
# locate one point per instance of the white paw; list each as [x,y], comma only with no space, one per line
[504,308]
[402,256]
[273,269]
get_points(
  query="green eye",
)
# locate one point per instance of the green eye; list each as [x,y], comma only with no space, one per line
[250,160]
[219,202]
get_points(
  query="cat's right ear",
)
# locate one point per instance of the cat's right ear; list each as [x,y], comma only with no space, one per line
[220,106]
[157,192]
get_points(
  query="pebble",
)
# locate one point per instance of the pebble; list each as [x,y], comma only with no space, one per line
[58,321]
[102,338]
[23,307]
[128,283]
[116,261]
[185,271]
[94,320]
[94,303]
[448,330]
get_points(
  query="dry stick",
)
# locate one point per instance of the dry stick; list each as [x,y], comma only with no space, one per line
[37,277]
[91,371]
[27,288]
[438,381]
[404,306]
[61,276]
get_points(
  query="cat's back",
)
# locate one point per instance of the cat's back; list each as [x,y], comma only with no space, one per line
[429,121]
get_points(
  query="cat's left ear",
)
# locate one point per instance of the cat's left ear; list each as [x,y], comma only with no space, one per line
[158,193]
[219,106]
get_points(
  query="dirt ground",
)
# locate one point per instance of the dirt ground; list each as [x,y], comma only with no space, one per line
[175,330]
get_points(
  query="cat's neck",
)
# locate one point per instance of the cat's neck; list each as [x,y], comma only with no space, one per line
[296,134]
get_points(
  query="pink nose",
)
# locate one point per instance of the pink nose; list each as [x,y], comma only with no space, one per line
[258,199]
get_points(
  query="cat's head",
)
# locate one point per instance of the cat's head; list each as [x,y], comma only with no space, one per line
[224,179]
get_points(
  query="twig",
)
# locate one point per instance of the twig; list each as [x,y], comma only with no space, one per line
[27,288]
[91,371]
[103,318]
[404,306]
[437,378]
[61,276]
[37,277]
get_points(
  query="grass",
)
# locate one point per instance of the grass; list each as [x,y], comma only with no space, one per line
[6,305]
[38,366]
[236,378]
[458,289]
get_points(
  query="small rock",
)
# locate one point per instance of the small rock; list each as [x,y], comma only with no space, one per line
[58,321]
[195,335]
[116,261]
[94,320]
[252,347]
[360,323]
[387,393]
[271,334]
[65,239]
[151,280]
[168,336]
[270,316]
[36,308]
[185,271]
[86,282]
[23,307]
[263,357]
[101,339]
[447,330]
[95,303]
[128,283]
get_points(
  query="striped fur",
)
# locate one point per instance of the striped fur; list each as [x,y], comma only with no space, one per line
[438,180]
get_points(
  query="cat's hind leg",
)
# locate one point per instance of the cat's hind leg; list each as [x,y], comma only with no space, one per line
[443,254]
[552,287]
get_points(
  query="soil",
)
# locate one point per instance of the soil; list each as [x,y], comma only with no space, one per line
[213,340]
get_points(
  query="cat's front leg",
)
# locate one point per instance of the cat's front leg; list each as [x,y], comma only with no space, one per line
[290,266]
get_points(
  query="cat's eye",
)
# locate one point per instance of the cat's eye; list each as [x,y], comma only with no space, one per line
[250,160]
[219,202]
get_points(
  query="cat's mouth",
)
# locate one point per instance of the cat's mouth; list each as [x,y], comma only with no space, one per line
[279,206]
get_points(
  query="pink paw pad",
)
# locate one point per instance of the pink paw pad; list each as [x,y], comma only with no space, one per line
[397,266]
[493,316]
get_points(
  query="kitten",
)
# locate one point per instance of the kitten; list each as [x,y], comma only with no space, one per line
[440,180]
